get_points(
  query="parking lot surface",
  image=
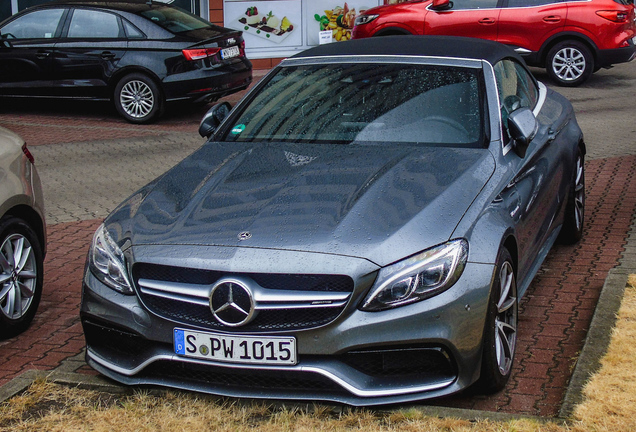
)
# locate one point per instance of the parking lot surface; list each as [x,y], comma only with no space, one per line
[90,160]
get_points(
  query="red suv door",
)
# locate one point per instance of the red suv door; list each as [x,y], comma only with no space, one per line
[470,18]
[527,24]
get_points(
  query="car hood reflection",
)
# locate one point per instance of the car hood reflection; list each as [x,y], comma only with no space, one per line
[381,203]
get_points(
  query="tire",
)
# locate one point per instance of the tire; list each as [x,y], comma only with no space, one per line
[500,332]
[138,98]
[570,63]
[21,268]
[574,219]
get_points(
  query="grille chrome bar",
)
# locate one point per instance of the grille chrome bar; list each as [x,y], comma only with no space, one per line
[264,298]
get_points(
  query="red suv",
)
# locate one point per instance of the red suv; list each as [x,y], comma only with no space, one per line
[571,39]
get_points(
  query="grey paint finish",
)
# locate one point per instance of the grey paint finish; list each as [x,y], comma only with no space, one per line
[376,203]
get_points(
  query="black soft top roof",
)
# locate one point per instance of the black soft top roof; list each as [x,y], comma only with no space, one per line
[426,46]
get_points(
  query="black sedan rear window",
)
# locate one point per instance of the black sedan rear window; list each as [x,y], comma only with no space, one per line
[366,103]
[174,20]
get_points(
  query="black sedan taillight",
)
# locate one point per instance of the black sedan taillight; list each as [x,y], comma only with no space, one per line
[192,54]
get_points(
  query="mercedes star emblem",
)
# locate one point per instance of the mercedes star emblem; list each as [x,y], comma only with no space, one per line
[245,235]
[232,303]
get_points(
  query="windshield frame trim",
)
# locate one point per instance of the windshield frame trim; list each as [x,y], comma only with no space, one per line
[384,59]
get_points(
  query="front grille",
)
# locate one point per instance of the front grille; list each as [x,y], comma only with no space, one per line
[268,320]
[242,379]
[190,305]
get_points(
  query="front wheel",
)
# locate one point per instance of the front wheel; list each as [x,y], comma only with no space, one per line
[500,333]
[138,98]
[570,63]
[21,267]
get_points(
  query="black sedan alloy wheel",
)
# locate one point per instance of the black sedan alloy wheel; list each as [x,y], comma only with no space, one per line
[138,99]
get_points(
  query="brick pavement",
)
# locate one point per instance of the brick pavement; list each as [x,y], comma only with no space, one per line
[555,313]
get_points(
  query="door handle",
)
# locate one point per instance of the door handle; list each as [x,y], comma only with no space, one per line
[486,21]
[42,54]
[552,19]
[107,55]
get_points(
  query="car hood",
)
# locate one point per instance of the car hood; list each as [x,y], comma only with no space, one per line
[380,203]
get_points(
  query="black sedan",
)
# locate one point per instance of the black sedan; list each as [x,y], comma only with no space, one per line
[139,54]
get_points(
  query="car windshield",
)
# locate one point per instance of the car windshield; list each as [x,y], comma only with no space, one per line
[174,19]
[366,103]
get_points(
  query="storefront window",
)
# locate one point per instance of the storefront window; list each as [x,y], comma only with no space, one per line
[280,28]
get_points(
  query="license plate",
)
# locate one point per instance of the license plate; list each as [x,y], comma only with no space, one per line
[230,52]
[235,349]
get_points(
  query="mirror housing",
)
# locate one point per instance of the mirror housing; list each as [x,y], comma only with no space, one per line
[523,126]
[441,5]
[213,118]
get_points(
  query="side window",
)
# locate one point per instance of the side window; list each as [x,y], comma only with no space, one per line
[474,4]
[529,3]
[94,24]
[132,32]
[516,89]
[40,24]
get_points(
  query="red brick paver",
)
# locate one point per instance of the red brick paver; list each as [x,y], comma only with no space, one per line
[555,312]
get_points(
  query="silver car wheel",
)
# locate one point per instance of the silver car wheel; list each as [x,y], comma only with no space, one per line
[506,319]
[137,99]
[579,193]
[18,276]
[569,64]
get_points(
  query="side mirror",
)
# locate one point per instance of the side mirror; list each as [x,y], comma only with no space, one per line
[213,118]
[523,126]
[441,5]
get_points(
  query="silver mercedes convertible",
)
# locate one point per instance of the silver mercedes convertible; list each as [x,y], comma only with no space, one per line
[358,229]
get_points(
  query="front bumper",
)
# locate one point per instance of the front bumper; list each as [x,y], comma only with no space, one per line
[420,351]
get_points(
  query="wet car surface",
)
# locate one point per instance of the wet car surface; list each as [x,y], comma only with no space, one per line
[359,229]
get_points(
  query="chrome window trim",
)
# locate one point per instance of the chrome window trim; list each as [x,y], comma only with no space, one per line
[384,59]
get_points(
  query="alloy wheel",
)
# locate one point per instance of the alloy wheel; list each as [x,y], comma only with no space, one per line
[137,99]
[569,64]
[506,319]
[18,276]
[579,194]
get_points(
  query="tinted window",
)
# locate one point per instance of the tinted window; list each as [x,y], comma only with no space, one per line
[474,4]
[174,20]
[93,24]
[36,25]
[132,31]
[528,3]
[366,103]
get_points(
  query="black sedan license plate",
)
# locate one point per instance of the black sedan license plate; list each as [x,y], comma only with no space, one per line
[230,52]
[271,350]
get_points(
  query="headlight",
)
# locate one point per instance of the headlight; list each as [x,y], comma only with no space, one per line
[107,262]
[419,277]
[365,19]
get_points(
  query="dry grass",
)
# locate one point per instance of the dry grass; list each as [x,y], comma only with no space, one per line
[610,405]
